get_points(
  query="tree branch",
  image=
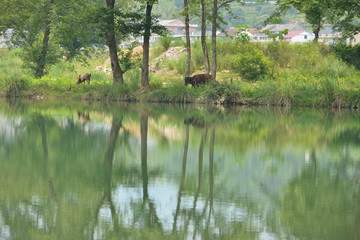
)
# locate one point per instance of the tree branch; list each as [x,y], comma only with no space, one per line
[224,3]
[37,7]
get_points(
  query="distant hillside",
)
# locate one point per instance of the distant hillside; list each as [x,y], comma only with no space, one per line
[252,13]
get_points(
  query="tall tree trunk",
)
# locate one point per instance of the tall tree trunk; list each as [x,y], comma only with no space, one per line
[187,33]
[146,48]
[317,31]
[45,47]
[203,37]
[111,43]
[213,40]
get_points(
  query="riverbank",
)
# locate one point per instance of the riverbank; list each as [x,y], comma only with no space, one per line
[278,74]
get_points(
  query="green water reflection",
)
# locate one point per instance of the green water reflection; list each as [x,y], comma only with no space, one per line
[80,171]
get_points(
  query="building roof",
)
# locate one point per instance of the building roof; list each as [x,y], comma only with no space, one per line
[230,32]
[293,34]
[281,27]
[327,31]
[174,23]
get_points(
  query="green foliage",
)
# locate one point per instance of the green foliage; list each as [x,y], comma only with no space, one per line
[222,93]
[165,42]
[276,36]
[347,53]
[328,88]
[31,55]
[178,42]
[251,63]
[241,33]
[14,87]
[128,59]
[174,93]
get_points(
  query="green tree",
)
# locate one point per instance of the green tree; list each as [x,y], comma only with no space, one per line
[146,45]
[203,36]
[217,5]
[40,27]
[316,12]
[187,34]
[166,9]
[31,23]
[345,16]
[149,26]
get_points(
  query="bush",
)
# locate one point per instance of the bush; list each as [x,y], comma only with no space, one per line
[251,63]
[165,42]
[222,93]
[15,87]
[347,53]
[31,54]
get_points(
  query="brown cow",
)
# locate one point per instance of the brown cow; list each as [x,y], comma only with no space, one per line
[84,77]
[198,79]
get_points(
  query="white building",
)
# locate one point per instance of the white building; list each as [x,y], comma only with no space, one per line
[299,37]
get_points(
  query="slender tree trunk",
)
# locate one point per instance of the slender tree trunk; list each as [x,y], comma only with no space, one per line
[188,44]
[146,48]
[111,43]
[213,40]
[45,47]
[317,31]
[203,37]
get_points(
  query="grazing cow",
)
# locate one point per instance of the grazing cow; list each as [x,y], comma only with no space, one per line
[84,77]
[198,79]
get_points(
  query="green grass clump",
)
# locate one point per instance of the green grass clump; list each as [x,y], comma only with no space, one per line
[222,93]
[15,86]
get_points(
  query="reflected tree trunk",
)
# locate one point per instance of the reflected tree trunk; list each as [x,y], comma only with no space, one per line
[152,219]
[201,158]
[108,163]
[183,173]
[144,132]
[211,170]
[313,160]
[107,172]
[51,190]
[41,123]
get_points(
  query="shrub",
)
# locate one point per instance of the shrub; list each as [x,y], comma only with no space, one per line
[221,93]
[251,63]
[165,42]
[347,53]
[14,87]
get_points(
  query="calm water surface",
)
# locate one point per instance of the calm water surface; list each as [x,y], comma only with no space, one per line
[177,172]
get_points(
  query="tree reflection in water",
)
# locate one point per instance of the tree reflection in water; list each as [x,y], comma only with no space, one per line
[113,176]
